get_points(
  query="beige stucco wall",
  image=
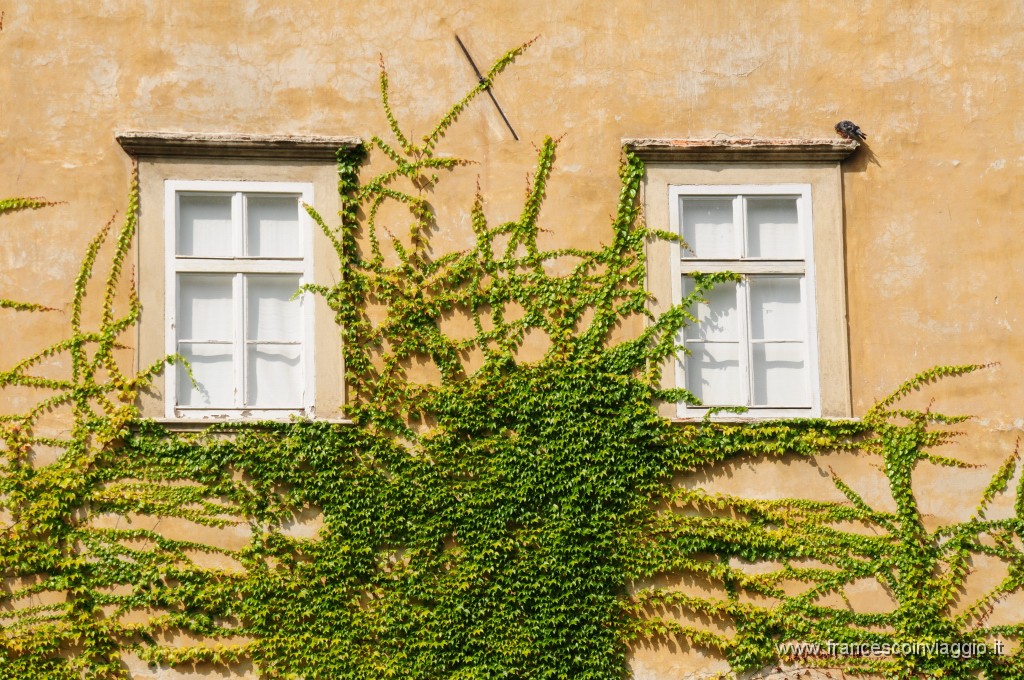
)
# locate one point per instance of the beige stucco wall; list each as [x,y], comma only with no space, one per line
[932,206]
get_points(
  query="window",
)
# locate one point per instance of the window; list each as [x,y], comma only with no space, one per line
[751,346]
[222,246]
[237,254]
[770,211]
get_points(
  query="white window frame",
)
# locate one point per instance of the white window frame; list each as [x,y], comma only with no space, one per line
[681,266]
[176,264]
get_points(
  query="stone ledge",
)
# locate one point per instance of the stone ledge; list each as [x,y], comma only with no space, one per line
[233,146]
[229,426]
[742,150]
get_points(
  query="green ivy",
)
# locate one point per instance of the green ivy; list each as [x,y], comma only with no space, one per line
[499,523]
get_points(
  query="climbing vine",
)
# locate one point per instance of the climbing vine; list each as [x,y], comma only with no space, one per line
[510,519]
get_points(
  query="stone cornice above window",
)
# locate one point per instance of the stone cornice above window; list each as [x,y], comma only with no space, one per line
[233,146]
[742,150]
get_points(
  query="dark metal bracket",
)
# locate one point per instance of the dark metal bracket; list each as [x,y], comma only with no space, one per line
[487,87]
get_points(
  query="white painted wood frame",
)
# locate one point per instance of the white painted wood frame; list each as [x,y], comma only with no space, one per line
[239,264]
[802,268]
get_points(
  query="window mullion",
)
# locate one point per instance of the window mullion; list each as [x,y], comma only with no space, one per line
[746,347]
[739,227]
[237,225]
[739,211]
[792,267]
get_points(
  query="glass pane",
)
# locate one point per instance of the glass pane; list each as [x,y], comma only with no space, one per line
[780,374]
[214,374]
[271,313]
[773,230]
[204,307]
[708,228]
[717,318]
[273,226]
[274,376]
[204,225]
[776,308]
[713,373]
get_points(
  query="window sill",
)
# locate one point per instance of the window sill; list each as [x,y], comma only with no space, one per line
[734,419]
[186,425]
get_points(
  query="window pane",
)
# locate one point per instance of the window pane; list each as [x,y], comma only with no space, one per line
[273,226]
[713,373]
[776,308]
[708,228]
[773,230]
[717,318]
[271,313]
[780,374]
[204,225]
[214,374]
[204,307]
[274,376]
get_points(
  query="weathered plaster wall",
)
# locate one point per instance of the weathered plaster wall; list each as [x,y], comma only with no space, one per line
[931,199]
[933,207]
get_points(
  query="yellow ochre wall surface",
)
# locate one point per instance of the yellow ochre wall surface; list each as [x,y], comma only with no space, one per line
[932,207]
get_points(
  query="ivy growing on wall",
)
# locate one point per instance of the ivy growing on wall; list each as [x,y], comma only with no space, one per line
[512,519]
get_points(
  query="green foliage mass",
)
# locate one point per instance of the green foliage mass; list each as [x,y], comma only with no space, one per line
[516,520]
